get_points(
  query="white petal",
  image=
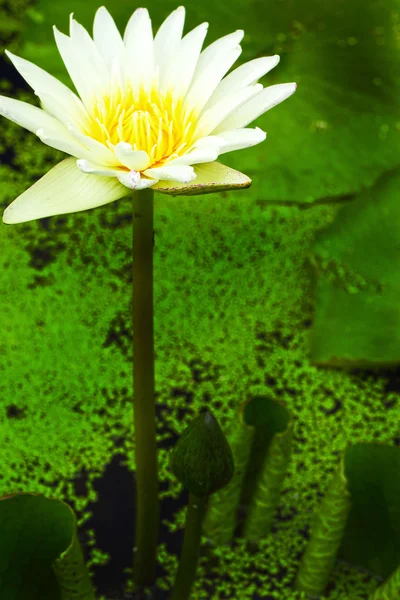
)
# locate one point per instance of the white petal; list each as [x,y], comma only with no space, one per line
[183,173]
[42,82]
[106,37]
[253,108]
[205,149]
[91,62]
[196,156]
[62,140]
[83,81]
[212,117]
[137,160]
[247,74]
[220,46]
[236,139]
[139,53]
[207,76]
[86,166]
[181,67]
[167,40]
[100,153]
[64,189]
[28,116]
[208,141]
[118,77]
[57,108]
[131,181]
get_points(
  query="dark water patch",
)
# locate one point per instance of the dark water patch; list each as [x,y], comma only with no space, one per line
[41,281]
[120,335]
[113,523]
[15,412]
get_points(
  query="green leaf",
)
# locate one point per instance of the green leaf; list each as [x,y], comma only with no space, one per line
[211,177]
[340,130]
[357,295]
[202,458]
[274,424]
[358,521]
[372,536]
[220,522]
[40,555]
[390,589]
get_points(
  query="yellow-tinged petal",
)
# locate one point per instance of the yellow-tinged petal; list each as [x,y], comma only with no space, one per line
[64,189]
[28,116]
[44,83]
[210,177]
[85,79]
[132,159]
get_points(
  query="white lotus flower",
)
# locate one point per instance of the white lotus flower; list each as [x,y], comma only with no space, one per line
[151,112]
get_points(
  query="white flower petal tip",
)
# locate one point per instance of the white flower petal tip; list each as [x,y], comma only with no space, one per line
[177,173]
[134,181]
[134,178]
[210,177]
[64,189]
[83,165]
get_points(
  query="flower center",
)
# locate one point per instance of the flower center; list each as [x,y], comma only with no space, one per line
[157,123]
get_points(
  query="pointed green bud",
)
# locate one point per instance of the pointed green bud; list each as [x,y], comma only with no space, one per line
[202,459]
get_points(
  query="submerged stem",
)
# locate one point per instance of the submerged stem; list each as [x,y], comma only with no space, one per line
[147,501]
[191,546]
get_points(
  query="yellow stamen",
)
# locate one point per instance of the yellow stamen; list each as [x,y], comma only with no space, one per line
[159,124]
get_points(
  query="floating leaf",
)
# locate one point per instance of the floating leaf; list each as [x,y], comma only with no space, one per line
[40,555]
[340,130]
[357,307]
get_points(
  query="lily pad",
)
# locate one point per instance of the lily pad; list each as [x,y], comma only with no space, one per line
[40,555]
[357,311]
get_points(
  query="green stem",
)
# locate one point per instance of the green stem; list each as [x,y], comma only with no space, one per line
[191,546]
[147,501]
